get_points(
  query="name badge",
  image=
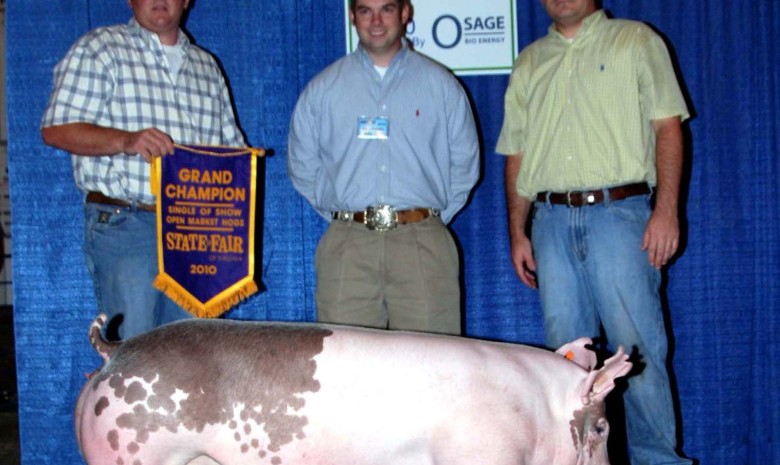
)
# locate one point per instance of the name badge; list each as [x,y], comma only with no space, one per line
[373,128]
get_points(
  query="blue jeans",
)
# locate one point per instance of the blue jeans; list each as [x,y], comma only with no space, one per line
[121,254]
[591,273]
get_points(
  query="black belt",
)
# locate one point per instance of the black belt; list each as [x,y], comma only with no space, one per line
[99,197]
[593,197]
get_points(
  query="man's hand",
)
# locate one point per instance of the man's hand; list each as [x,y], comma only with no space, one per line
[148,143]
[661,238]
[523,259]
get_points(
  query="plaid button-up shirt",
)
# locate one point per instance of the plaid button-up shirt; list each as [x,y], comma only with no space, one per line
[119,77]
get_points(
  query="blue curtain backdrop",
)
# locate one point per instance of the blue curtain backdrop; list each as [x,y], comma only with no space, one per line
[723,290]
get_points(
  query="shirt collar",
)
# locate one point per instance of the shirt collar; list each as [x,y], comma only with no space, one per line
[150,37]
[398,58]
[590,23]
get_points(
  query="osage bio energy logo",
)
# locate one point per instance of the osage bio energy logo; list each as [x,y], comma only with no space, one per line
[468,37]
[449,31]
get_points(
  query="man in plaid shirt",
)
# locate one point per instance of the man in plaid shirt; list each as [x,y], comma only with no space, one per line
[122,95]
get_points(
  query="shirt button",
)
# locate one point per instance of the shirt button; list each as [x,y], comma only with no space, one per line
[383,168]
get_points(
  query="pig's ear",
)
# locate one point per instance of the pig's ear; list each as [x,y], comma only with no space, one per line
[577,352]
[599,383]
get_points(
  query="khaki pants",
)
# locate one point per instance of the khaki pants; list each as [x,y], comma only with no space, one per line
[405,279]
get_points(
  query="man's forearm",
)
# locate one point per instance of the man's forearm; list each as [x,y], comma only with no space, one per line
[85,139]
[92,140]
[517,206]
[669,161]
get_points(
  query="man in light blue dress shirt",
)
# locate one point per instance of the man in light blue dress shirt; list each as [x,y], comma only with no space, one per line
[384,146]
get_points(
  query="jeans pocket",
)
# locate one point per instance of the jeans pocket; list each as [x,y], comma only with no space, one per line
[540,211]
[633,209]
[103,217]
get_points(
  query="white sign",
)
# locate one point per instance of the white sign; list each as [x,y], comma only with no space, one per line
[466,36]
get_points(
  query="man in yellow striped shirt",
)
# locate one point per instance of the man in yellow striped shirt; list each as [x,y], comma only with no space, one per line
[592,134]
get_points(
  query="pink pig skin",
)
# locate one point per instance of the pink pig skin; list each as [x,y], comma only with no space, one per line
[205,392]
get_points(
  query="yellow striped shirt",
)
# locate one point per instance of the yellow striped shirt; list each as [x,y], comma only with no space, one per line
[581,110]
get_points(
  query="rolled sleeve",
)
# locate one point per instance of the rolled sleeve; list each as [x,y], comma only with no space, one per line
[81,83]
[511,139]
[659,88]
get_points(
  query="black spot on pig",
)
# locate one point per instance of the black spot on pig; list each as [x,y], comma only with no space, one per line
[220,365]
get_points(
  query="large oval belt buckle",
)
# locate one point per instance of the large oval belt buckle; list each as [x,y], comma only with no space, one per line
[380,218]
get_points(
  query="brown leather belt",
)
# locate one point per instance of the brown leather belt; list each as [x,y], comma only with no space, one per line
[99,197]
[583,198]
[383,218]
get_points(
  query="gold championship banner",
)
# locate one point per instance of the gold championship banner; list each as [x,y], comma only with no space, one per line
[206,226]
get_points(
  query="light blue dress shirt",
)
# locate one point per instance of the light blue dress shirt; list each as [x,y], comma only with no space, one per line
[429,159]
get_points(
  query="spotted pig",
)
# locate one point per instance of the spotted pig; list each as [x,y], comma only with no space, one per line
[206,392]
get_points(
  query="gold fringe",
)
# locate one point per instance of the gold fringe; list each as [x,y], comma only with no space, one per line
[215,307]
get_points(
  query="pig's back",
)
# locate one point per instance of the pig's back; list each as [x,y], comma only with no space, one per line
[292,391]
